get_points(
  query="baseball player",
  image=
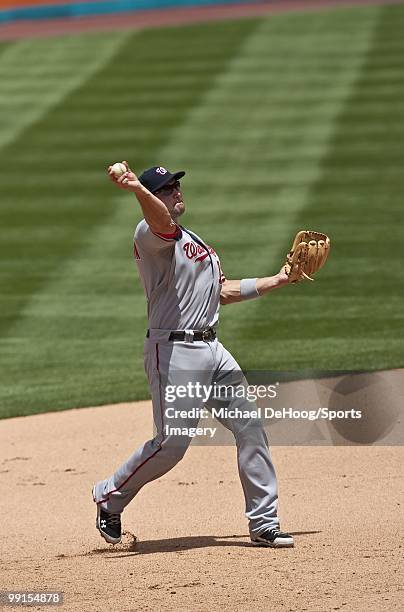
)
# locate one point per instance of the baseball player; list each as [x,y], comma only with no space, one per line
[184,286]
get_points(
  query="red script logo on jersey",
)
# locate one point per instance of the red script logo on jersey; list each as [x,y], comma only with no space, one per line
[198,253]
[193,250]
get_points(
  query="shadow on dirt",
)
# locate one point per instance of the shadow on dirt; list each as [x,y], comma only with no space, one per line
[170,545]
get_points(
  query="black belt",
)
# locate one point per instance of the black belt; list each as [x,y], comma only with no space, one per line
[206,335]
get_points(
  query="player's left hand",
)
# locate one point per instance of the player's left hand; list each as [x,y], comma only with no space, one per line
[309,253]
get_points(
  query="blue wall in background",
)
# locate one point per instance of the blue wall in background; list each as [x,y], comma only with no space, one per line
[81,9]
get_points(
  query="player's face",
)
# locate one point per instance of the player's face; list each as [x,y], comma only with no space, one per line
[171,195]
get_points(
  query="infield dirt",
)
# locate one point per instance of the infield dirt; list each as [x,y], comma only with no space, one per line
[343,505]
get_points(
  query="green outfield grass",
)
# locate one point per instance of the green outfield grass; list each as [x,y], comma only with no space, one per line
[286,122]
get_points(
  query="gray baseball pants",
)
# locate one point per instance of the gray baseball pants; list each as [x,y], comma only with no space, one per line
[169,363]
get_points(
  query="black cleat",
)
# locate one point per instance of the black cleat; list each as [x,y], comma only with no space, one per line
[109,526]
[274,538]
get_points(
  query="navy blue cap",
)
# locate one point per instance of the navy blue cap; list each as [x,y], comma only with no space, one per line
[156,177]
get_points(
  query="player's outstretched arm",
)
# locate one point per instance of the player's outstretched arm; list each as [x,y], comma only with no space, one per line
[154,210]
[240,290]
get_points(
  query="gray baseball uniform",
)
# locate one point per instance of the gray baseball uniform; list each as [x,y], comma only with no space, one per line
[182,279]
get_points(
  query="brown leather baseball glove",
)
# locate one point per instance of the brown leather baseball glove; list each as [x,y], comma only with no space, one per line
[308,254]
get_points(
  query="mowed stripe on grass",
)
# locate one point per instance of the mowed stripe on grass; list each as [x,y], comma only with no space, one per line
[36,75]
[249,111]
[74,316]
[254,149]
[352,317]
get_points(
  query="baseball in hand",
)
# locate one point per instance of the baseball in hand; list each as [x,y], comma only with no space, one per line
[118,169]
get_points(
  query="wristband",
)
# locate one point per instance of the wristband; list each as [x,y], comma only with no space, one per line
[248,288]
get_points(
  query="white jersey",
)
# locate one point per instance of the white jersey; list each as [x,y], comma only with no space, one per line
[181,276]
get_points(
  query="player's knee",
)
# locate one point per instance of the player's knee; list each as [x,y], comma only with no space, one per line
[252,434]
[174,452]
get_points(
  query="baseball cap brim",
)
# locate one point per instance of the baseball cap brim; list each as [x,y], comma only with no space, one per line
[176,176]
[172,177]
[148,179]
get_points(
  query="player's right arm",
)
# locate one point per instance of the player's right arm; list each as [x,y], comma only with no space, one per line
[154,210]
